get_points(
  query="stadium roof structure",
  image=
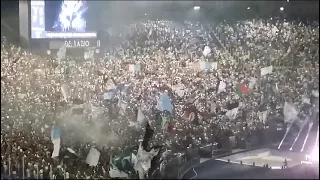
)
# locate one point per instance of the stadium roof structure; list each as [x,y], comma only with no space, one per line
[233,8]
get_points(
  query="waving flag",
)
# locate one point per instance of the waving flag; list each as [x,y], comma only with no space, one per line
[208,66]
[109,95]
[206,51]
[65,91]
[179,89]
[266,70]
[164,103]
[156,160]
[122,165]
[232,114]
[305,99]
[93,157]
[141,120]
[110,85]
[134,68]
[315,93]
[252,83]
[123,106]
[222,86]
[88,54]
[232,110]
[163,120]
[263,116]
[145,155]
[68,155]
[61,54]
[55,138]
[241,89]
[112,90]
[289,112]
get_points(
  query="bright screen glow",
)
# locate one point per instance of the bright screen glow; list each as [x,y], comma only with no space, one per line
[315,154]
[62,19]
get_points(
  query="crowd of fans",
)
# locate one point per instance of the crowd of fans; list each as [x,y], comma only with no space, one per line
[169,54]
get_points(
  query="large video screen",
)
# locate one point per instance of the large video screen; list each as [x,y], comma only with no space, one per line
[63,19]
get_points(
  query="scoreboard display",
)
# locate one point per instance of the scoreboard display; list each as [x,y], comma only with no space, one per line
[64,19]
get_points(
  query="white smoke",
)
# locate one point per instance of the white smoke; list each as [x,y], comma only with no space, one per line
[92,130]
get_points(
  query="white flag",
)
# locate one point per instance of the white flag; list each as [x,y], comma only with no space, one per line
[56,148]
[123,106]
[222,86]
[110,84]
[116,173]
[88,54]
[232,114]
[252,83]
[179,89]
[64,91]
[290,112]
[315,93]
[266,70]
[144,158]
[206,51]
[135,125]
[93,157]
[207,66]
[165,122]
[263,116]
[61,54]
[134,68]
[274,30]
[55,138]
[305,99]
[40,72]
[214,65]
[141,119]
[133,159]
[72,151]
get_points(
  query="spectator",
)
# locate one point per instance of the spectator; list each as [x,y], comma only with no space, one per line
[170,57]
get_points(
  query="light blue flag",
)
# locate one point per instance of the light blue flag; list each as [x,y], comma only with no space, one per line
[55,138]
[55,133]
[164,103]
[119,88]
[208,67]
[137,68]
[112,92]
[109,95]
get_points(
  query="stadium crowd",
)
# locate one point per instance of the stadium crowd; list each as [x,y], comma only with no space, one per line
[40,92]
